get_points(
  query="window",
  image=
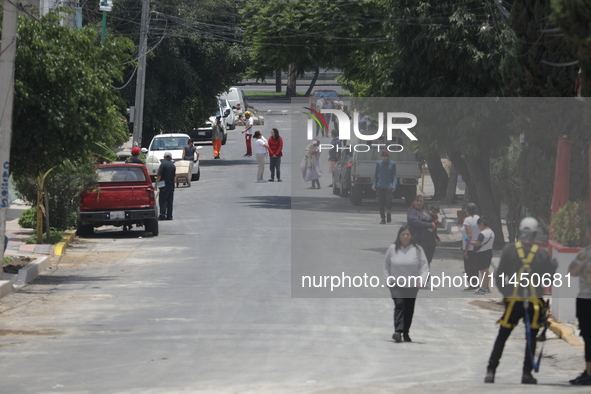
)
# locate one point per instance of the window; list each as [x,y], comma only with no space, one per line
[121,174]
[169,143]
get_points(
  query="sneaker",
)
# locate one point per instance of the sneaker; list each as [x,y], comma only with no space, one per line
[271,180]
[397,337]
[583,380]
[329,185]
[161,218]
[490,376]
[246,155]
[317,187]
[388,217]
[279,180]
[406,338]
[527,378]
[482,291]
[313,187]
[261,181]
[216,157]
[470,288]
[383,221]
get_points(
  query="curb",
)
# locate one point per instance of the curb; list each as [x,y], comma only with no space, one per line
[32,270]
[60,247]
[565,332]
[6,288]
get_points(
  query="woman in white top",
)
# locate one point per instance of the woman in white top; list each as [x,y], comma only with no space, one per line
[483,247]
[260,151]
[406,269]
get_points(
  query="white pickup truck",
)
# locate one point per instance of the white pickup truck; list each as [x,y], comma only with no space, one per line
[363,166]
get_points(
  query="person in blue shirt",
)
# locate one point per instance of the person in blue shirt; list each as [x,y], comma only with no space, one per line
[384,183]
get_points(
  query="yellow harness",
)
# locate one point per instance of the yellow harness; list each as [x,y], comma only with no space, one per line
[536,302]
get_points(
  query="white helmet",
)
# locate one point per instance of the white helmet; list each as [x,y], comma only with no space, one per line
[528,224]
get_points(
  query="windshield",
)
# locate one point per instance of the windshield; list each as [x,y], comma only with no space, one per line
[121,174]
[169,143]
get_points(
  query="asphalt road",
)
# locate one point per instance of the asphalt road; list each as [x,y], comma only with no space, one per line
[213,303]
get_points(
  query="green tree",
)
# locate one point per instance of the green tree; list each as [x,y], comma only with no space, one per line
[194,54]
[64,101]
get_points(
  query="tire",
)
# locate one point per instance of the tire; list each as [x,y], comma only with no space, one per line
[410,195]
[225,138]
[344,192]
[151,226]
[335,190]
[356,195]
[84,230]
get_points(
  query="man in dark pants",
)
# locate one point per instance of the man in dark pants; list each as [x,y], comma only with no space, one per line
[581,267]
[384,183]
[166,173]
[520,260]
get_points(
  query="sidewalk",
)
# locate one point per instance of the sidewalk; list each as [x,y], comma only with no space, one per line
[18,235]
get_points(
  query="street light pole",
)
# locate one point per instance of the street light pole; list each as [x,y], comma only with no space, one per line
[7,56]
[141,76]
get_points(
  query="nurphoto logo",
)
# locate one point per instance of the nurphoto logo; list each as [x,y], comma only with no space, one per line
[345,128]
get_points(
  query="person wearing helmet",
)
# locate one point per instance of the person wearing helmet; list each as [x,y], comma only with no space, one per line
[581,267]
[248,133]
[522,300]
[135,156]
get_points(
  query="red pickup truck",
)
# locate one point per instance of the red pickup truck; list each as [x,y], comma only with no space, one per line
[124,196]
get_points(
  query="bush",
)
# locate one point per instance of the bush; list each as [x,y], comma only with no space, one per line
[570,224]
[54,237]
[63,192]
[28,218]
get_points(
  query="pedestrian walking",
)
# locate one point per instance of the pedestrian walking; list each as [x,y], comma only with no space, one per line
[249,123]
[483,249]
[471,229]
[310,166]
[406,270]
[421,226]
[135,156]
[189,151]
[519,260]
[260,150]
[166,173]
[384,184]
[217,135]
[275,153]
[333,153]
[581,267]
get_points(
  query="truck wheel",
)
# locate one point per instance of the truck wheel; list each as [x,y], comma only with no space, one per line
[84,230]
[410,195]
[356,195]
[335,190]
[152,226]
[195,177]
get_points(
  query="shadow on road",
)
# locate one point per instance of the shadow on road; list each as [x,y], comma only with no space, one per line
[225,163]
[268,202]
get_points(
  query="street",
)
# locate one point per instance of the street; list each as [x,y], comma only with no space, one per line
[215,303]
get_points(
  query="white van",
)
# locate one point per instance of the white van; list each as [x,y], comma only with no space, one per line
[237,99]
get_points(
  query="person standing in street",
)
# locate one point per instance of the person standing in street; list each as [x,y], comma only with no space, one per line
[260,150]
[471,229]
[217,135]
[189,151]
[581,267]
[406,270]
[310,165]
[166,173]
[248,133]
[275,143]
[522,300]
[384,183]
[333,153]
[483,250]
[422,227]
[135,156]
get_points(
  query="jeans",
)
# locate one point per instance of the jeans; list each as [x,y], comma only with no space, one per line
[165,200]
[404,307]
[384,200]
[275,164]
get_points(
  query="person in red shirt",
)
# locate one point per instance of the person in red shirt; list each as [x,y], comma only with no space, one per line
[275,153]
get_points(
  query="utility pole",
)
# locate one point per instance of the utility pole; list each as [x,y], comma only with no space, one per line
[141,76]
[7,56]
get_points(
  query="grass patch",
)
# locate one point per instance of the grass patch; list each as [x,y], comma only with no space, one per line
[55,236]
[6,260]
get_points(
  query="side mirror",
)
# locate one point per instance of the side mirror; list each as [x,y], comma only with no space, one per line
[144,150]
[227,113]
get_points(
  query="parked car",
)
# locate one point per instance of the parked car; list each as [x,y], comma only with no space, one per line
[205,131]
[327,95]
[228,113]
[173,143]
[124,196]
[237,99]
